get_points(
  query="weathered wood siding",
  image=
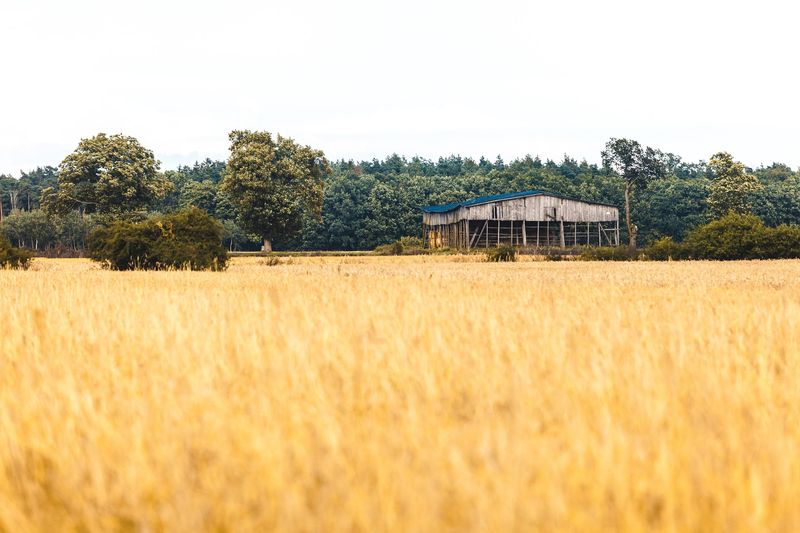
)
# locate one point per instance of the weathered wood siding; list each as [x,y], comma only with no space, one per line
[531,208]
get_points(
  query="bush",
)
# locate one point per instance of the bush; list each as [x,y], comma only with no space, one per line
[12,257]
[189,239]
[784,242]
[606,253]
[403,246]
[394,248]
[503,253]
[411,242]
[730,237]
[665,249]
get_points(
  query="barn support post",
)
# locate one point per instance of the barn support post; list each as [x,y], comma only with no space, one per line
[524,233]
[466,235]
[547,232]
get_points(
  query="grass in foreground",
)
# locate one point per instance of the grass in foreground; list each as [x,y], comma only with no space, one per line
[401,394]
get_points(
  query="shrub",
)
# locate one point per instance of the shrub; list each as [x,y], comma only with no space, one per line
[403,246]
[606,253]
[393,248]
[665,249]
[189,239]
[733,236]
[784,242]
[12,257]
[411,243]
[505,253]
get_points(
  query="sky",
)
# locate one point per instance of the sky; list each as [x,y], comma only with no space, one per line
[363,79]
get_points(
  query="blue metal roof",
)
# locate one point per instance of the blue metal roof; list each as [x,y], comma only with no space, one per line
[495,197]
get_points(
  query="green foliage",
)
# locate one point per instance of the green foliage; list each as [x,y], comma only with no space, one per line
[404,246]
[273,184]
[411,242]
[733,236]
[778,202]
[606,253]
[44,232]
[732,189]
[664,249]
[638,167]
[504,253]
[189,239]
[235,238]
[671,207]
[13,258]
[394,248]
[633,163]
[106,174]
[784,242]
[368,203]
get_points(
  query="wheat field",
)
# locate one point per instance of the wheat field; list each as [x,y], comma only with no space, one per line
[401,394]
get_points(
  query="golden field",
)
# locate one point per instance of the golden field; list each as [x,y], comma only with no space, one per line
[401,394]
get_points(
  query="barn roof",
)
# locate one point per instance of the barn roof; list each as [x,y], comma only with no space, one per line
[495,197]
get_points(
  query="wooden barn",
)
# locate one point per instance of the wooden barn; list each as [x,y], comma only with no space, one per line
[529,218]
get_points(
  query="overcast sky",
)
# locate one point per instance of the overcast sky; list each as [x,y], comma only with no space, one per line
[363,79]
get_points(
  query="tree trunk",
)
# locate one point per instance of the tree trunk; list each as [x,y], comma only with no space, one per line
[267,245]
[632,229]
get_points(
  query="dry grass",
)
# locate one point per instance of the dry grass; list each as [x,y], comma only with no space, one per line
[401,394]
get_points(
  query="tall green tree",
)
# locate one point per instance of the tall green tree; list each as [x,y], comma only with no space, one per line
[637,166]
[273,184]
[732,188]
[107,174]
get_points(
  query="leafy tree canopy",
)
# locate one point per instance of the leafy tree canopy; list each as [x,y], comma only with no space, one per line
[732,188]
[637,166]
[273,184]
[108,174]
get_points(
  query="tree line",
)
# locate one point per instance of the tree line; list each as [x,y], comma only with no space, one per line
[274,192]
